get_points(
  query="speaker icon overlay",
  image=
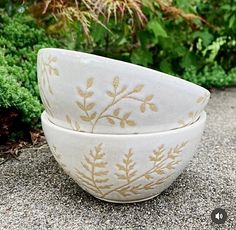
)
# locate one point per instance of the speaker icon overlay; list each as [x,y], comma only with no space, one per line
[219,216]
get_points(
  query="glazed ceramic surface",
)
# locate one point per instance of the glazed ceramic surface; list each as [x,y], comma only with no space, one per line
[123,168]
[89,93]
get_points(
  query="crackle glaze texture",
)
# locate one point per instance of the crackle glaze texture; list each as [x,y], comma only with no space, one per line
[123,168]
[88,93]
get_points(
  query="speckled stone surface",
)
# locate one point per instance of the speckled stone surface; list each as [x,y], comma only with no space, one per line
[36,194]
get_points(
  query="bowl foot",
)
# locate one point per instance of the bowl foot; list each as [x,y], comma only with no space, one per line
[127,201]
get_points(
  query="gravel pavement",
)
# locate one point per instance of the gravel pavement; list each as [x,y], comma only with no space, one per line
[36,194]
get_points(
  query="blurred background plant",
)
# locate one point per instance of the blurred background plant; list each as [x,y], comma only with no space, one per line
[184,38]
[20,40]
[195,40]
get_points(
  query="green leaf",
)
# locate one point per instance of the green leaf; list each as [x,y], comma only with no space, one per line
[142,57]
[205,36]
[9,7]
[157,29]
[99,33]
[144,38]
[232,21]
[226,7]
[149,3]
[166,66]
[188,60]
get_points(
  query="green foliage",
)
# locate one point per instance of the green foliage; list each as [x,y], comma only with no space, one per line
[13,95]
[20,40]
[210,76]
[175,36]
[193,35]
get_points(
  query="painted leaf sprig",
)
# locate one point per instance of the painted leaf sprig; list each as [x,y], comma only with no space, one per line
[163,165]
[53,71]
[126,168]
[153,184]
[114,115]
[48,70]
[123,119]
[58,157]
[146,103]
[192,116]
[174,152]
[74,125]
[46,102]
[157,154]
[84,105]
[130,190]
[203,99]
[96,178]
[116,92]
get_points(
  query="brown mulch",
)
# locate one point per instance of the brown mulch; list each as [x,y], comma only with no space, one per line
[8,119]
[15,135]
[12,149]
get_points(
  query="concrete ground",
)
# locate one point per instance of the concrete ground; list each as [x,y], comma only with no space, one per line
[36,194]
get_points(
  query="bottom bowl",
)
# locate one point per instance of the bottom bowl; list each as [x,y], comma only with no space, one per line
[123,168]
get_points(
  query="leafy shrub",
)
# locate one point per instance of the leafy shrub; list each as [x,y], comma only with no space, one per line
[170,36]
[20,40]
[210,76]
[12,94]
[181,39]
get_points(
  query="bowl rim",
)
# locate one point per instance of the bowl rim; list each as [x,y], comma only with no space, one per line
[201,121]
[127,64]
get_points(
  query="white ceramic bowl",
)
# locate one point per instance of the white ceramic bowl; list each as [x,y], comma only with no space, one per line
[89,93]
[123,168]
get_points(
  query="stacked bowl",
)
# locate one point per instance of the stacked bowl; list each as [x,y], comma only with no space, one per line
[123,132]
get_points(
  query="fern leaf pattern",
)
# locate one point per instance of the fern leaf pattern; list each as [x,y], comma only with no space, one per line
[126,168]
[95,176]
[58,157]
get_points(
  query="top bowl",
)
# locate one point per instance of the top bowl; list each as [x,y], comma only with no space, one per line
[89,93]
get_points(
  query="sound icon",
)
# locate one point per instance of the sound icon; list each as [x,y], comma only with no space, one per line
[219,216]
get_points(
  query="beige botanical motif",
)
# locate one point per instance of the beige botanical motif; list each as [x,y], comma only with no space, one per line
[96,175]
[46,70]
[192,117]
[203,99]
[117,94]
[58,157]
[46,102]
[126,168]
[74,125]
